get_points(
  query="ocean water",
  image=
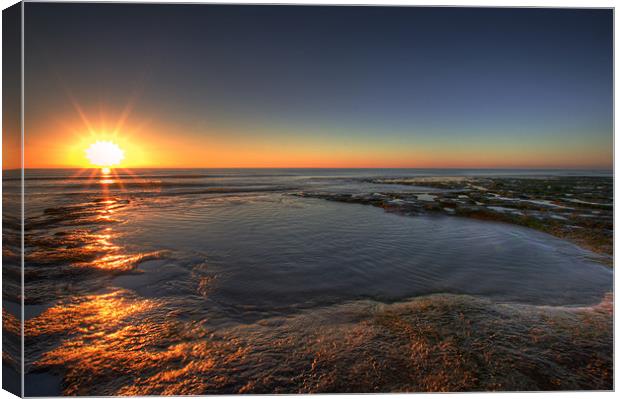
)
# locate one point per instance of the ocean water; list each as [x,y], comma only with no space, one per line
[172,279]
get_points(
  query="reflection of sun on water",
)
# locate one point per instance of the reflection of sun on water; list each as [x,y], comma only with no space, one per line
[107,181]
[118,343]
[105,156]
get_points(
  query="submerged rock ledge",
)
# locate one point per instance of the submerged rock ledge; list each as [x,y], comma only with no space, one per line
[435,343]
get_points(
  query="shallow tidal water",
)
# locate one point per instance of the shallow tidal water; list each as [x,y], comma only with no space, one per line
[190,282]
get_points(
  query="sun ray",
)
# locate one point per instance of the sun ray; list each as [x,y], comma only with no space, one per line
[80,112]
[91,177]
[118,179]
[79,173]
[126,112]
[129,172]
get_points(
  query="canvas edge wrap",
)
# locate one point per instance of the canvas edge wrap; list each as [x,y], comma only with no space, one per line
[12,200]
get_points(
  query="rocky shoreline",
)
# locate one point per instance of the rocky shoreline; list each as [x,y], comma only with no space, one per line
[579,209]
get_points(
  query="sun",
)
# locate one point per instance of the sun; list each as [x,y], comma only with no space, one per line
[104,154]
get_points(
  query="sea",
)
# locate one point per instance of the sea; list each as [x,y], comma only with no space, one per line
[185,281]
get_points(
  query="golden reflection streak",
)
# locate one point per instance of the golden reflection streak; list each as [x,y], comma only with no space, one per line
[434,343]
[120,334]
[114,258]
[92,248]
[121,262]
[87,314]
[118,179]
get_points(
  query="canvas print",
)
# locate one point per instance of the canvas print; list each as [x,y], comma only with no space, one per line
[269,199]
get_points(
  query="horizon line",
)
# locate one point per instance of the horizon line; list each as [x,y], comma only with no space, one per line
[318,168]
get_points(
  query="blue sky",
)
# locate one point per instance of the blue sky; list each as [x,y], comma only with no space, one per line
[419,86]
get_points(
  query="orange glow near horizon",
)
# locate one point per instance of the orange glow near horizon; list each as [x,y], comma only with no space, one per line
[86,139]
[159,149]
[131,141]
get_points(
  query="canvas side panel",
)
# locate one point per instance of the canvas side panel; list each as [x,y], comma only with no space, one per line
[11,199]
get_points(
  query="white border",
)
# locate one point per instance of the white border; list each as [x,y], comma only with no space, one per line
[462,3]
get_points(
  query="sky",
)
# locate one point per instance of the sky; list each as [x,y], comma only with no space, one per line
[298,86]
